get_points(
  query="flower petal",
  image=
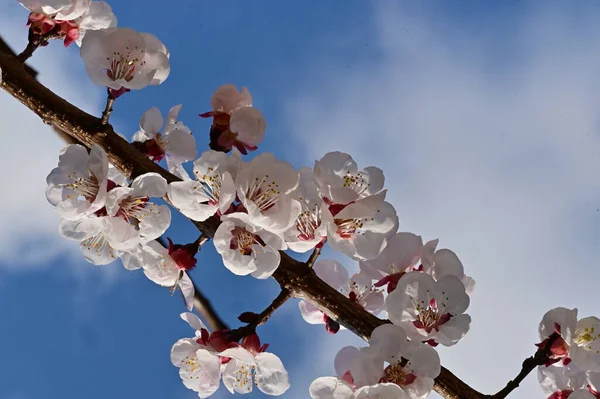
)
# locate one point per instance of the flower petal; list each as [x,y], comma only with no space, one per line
[181,146]
[330,388]
[332,272]
[271,376]
[151,122]
[344,358]
[187,289]
[149,185]
[310,313]
[193,321]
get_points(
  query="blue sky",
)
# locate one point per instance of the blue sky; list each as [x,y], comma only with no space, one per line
[483,115]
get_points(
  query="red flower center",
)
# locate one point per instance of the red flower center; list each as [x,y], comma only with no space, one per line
[183,255]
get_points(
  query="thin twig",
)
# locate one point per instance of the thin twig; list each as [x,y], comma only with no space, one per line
[540,358]
[107,110]
[5,48]
[313,257]
[35,41]
[29,50]
[261,318]
[207,312]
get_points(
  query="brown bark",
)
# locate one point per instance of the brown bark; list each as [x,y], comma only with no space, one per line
[292,275]
[5,48]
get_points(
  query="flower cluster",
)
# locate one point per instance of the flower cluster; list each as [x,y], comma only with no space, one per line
[266,206]
[427,290]
[209,357]
[110,218]
[425,299]
[358,288]
[175,143]
[100,210]
[573,346]
[68,19]
[390,367]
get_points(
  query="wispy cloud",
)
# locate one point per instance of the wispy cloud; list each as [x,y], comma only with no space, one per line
[489,142]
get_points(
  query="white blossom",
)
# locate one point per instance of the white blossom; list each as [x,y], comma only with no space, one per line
[123,59]
[360,229]
[334,274]
[380,391]
[132,204]
[391,367]
[444,262]
[341,386]
[401,255]
[264,187]
[330,388]
[561,380]
[97,17]
[341,182]
[250,363]
[309,230]
[428,310]
[101,237]
[68,19]
[578,341]
[228,99]
[62,10]
[585,348]
[361,291]
[78,186]
[175,143]
[168,266]
[563,322]
[236,123]
[246,248]
[213,191]
[391,358]
[358,288]
[198,358]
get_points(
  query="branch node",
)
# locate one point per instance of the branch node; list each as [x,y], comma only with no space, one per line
[35,41]
[262,318]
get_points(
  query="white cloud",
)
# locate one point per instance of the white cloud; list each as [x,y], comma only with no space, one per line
[493,149]
[28,229]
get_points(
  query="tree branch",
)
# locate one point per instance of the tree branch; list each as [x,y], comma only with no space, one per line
[540,358]
[261,318]
[300,281]
[35,41]
[313,257]
[5,48]
[206,310]
[29,50]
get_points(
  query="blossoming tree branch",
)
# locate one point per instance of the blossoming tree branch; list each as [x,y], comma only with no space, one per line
[115,198]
